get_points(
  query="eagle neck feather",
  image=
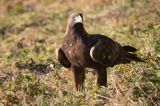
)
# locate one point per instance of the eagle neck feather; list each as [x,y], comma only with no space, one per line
[78,31]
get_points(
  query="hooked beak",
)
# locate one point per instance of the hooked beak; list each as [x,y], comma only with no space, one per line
[78,19]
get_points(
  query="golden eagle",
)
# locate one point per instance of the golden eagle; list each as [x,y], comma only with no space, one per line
[82,50]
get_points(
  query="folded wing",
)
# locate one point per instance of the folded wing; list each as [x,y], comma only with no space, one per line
[106,51]
[63,59]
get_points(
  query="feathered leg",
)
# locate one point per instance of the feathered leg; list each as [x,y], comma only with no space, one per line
[101,76]
[79,76]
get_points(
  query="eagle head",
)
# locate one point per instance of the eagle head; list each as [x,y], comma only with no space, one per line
[75,23]
[74,19]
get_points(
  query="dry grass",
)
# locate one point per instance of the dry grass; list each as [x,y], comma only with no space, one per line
[31,30]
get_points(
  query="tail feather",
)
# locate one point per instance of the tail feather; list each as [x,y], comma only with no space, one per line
[133,57]
[128,55]
[129,48]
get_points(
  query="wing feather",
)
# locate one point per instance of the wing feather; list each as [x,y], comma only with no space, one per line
[62,58]
[105,51]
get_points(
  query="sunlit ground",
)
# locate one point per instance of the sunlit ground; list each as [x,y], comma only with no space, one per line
[31,30]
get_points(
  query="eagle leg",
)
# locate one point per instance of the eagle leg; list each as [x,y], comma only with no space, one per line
[101,74]
[79,76]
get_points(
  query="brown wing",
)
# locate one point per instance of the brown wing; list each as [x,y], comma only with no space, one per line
[63,59]
[105,51]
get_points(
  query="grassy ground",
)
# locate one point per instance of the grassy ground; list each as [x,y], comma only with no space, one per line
[31,30]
